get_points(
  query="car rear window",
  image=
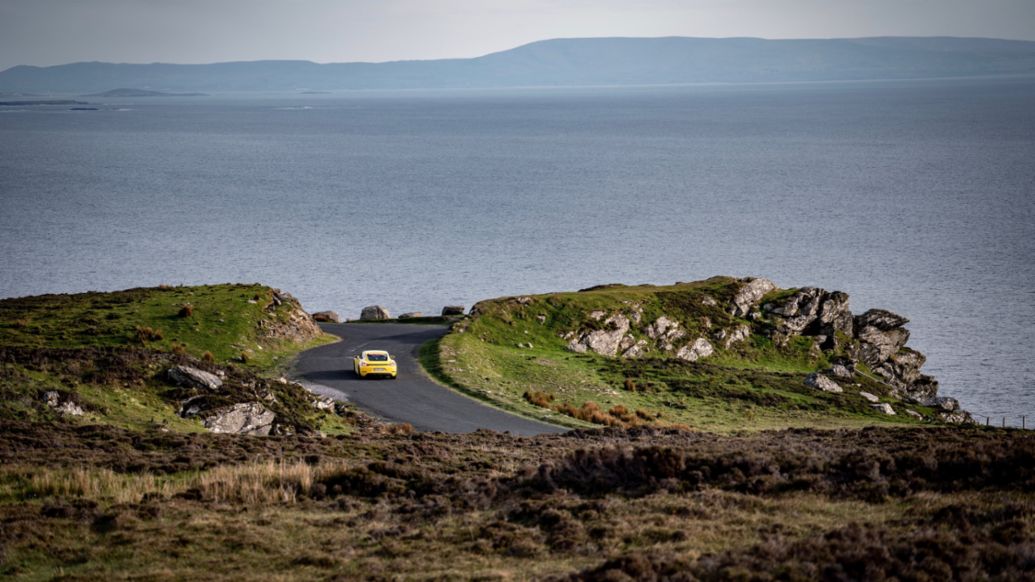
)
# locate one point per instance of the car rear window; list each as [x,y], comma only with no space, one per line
[377,357]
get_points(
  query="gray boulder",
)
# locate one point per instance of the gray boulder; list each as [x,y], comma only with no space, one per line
[326,317]
[605,341]
[730,337]
[411,315]
[877,345]
[871,397]
[884,408]
[944,403]
[374,313]
[450,310]
[749,294]
[881,319]
[195,378]
[249,418]
[699,348]
[821,382]
[664,332]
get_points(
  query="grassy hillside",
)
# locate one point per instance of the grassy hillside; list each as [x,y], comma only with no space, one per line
[516,353]
[109,354]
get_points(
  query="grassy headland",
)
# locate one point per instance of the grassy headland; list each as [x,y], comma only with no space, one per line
[517,352]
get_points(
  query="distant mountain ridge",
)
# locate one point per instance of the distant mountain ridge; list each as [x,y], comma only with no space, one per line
[568,62]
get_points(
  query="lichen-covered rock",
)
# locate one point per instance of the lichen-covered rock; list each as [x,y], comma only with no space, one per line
[943,403]
[877,345]
[665,332]
[695,350]
[636,350]
[605,341]
[193,377]
[881,319]
[374,313]
[730,337]
[326,317]
[749,294]
[451,310]
[821,382]
[247,418]
[868,396]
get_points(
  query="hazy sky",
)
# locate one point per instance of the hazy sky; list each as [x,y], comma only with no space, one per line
[45,32]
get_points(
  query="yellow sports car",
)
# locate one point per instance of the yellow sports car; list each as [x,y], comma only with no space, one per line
[374,363]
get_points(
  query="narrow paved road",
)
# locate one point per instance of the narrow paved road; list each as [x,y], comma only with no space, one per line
[411,398]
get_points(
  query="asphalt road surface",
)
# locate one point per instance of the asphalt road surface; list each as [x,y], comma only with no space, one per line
[412,397]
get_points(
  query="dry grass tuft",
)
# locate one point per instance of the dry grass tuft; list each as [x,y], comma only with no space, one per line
[538,398]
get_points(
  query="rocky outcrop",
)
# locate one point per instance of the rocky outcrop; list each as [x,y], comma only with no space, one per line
[749,294]
[194,378]
[814,312]
[286,320]
[374,313]
[451,310]
[699,348]
[730,337]
[246,418]
[326,317]
[821,382]
[605,341]
[665,332]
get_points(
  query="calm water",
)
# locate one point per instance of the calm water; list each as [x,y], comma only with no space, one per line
[913,196]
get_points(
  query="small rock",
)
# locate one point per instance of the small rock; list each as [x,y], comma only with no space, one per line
[884,408]
[411,315]
[188,376]
[323,403]
[700,348]
[944,403]
[914,414]
[326,317]
[823,383]
[868,396]
[249,418]
[541,319]
[842,371]
[374,313]
[709,301]
[449,310]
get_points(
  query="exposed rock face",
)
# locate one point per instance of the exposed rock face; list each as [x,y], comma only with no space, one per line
[605,341]
[821,382]
[750,294]
[295,325]
[814,312]
[326,317]
[699,348]
[374,313]
[249,418]
[193,377]
[449,310]
[880,319]
[636,350]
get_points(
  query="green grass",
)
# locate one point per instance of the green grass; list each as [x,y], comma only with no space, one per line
[753,385]
[224,321]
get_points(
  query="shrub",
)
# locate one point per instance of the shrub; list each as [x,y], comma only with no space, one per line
[148,334]
[187,310]
[208,358]
[538,398]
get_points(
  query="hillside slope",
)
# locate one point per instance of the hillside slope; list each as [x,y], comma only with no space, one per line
[176,358]
[567,62]
[720,354]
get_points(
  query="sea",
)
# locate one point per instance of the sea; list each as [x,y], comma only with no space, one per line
[916,196]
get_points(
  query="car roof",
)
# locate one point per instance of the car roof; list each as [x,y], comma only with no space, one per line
[365,352]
